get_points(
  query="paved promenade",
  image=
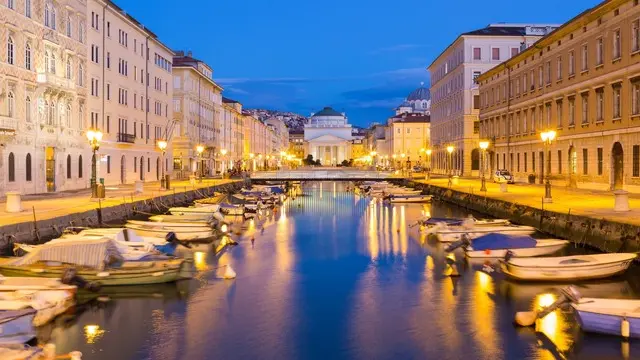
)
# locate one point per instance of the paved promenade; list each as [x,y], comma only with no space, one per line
[48,206]
[592,203]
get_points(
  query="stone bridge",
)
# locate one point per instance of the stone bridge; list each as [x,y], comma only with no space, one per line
[332,174]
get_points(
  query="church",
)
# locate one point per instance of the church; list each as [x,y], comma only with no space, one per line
[328,137]
[418,102]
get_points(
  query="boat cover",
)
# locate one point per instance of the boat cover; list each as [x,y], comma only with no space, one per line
[448,221]
[91,253]
[277,190]
[497,241]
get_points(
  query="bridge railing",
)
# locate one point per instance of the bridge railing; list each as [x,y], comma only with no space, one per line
[321,174]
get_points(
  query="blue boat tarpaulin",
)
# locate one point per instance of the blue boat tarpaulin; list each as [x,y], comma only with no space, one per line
[497,241]
[277,190]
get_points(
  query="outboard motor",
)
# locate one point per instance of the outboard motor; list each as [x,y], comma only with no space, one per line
[463,242]
[71,277]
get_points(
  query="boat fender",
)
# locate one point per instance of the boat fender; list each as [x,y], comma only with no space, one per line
[229,273]
[624,328]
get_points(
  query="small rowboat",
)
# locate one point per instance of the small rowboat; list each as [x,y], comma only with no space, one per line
[17,326]
[201,210]
[568,268]
[182,218]
[452,234]
[408,198]
[541,247]
[200,231]
[459,222]
[215,199]
[609,316]
[231,209]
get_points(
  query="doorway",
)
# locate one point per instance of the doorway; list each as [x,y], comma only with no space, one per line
[123,170]
[50,168]
[542,167]
[141,168]
[617,156]
[573,166]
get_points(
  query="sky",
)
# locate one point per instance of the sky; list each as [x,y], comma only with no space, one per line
[362,57]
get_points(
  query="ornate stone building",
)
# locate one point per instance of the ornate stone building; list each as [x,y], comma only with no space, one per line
[328,137]
[418,102]
[43,95]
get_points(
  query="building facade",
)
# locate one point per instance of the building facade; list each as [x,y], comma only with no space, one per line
[231,138]
[43,96]
[328,137]
[582,81]
[281,134]
[408,138]
[130,94]
[454,91]
[296,143]
[418,102]
[256,139]
[197,103]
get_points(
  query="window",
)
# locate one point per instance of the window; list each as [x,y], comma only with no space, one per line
[495,54]
[524,122]
[108,29]
[616,100]
[68,116]
[525,162]
[559,113]
[635,97]
[27,8]
[585,57]
[10,48]
[81,31]
[540,77]
[28,167]
[514,51]
[533,80]
[135,164]
[635,36]
[27,56]
[547,108]
[108,91]
[69,26]
[108,164]
[47,13]
[80,167]
[600,104]
[52,62]
[12,168]
[572,111]
[616,44]
[599,52]
[533,162]
[585,109]
[636,161]
[585,161]
[80,75]
[559,68]
[11,104]
[476,101]
[10,4]
[548,72]
[27,109]
[68,72]
[559,161]
[68,166]
[524,84]
[599,161]
[572,63]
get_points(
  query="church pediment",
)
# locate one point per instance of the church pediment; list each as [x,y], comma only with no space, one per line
[329,139]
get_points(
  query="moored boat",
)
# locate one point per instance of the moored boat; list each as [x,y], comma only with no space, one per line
[17,326]
[496,245]
[396,198]
[231,209]
[208,218]
[455,233]
[200,231]
[201,210]
[460,222]
[568,268]
[607,316]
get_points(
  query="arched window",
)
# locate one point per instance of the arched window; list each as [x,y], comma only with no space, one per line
[68,72]
[68,166]
[68,115]
[69,26]
[80,75]
[53,17]
[28,165]
[27,8]
[52,114]
[10,47]
[81,31]
[80,116]
[27,56]
[45,113]
[47,13]
[80,167]
[10,4]
[46,60]
[52,64]
[12,168]
[11,104]
[108,164]
[27,109]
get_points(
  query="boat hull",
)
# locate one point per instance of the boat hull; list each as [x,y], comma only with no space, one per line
[572,273]
[453,236]
[607,324]
[542,249]
[18,330]
[409,199]
[183,233]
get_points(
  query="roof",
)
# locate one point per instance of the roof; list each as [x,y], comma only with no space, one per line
[550,38]
[412,118]
[229,101]
[421,93]
[296,131]
[327,111]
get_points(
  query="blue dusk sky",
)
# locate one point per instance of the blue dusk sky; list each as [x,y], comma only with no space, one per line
[359,56]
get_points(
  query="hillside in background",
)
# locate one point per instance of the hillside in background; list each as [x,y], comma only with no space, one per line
[292,120]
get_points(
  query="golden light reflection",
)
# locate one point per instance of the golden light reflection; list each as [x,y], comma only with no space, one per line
[93,333]
[199,260]
[554,325]
[483,314]
[404,239]
[334,189]
[430,264]
[284,255]
[374,246]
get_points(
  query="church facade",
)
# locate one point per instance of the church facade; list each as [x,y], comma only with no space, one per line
[328,137]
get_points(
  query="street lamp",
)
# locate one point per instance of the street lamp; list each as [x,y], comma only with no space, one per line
[483,145]
[223,152]
[547,138]
[162,145]
[450,149]
[94,137]
[373,158]
[253,161]
[428,152]
[200,149]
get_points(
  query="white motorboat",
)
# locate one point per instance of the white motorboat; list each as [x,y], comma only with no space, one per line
[48,304]
[231,209]
[541,247]
[200,210]
[454,233]
[568,268]
[408,198]
[182,218]
[609,316]
[17,326]
[183,231]
[469,222]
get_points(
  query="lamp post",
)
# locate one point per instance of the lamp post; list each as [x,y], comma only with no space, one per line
[223,152]
[162,145]
[450,149]
[483,145]
[200,149]
[547,138]
[253,161]
[94,137]
[373,158]
[428,175]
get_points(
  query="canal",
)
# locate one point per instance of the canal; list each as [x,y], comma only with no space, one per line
[333,276]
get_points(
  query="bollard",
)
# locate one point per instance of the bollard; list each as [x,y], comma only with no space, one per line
[14,203]
[621,201]
[503,187]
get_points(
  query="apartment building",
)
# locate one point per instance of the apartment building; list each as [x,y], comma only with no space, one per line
[296,143]
[454,91]
[408,137]
[256,136]
[43,96]
[281,133]
[581,81]
[197,106]
[129,95]
[231,136]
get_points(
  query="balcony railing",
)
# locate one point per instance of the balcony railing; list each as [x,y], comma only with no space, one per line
[8,125]
[126,138]
[55,81]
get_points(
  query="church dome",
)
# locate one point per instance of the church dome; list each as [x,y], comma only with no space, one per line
[421,93]
[327,111]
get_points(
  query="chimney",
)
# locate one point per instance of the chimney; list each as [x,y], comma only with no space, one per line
[189,53]
[179,53]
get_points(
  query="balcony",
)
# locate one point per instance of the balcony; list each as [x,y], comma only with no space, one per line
[8,126]
[55,82]
[126,138]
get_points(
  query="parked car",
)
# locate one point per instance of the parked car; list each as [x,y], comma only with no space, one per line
[418,169]
[502,176]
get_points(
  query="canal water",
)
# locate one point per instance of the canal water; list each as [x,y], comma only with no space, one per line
[332,275]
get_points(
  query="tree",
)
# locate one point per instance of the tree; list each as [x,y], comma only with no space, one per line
[346,162]
[309,160]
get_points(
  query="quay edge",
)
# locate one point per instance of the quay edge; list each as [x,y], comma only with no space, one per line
[31,232]
[600,233]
